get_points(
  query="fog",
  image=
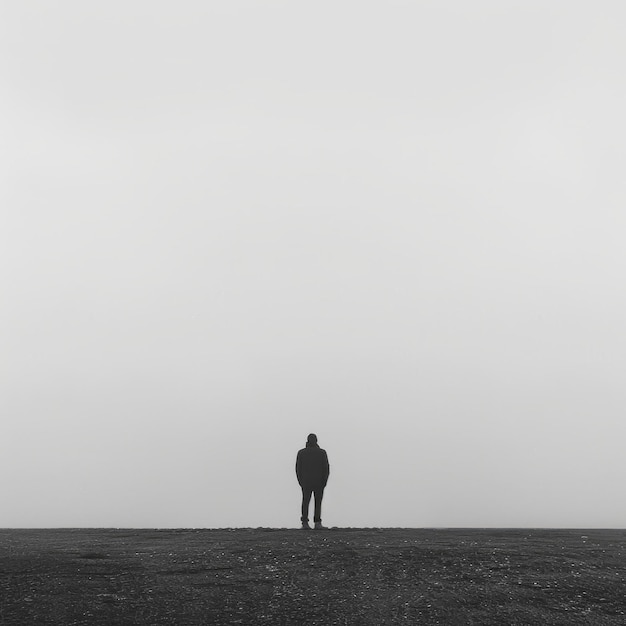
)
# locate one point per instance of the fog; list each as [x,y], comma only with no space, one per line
[398,225]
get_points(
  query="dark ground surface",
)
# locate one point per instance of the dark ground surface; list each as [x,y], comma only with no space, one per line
[339,576]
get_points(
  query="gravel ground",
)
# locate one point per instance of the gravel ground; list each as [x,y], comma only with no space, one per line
[334,577]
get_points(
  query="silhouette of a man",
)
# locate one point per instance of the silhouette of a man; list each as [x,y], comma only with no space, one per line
[312,470]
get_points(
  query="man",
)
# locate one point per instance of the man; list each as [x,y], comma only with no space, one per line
[312,470]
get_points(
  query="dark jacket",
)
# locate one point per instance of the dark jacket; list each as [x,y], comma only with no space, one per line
[312,468]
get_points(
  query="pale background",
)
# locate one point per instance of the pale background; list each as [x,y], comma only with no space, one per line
[399,225]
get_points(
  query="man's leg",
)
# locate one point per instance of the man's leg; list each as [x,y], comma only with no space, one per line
[306,499]
[318,494]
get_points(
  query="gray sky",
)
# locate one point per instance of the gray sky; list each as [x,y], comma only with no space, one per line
[400,225]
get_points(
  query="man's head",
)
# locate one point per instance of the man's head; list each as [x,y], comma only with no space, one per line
[311,439]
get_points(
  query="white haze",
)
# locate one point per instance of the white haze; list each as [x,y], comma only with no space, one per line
[399,225]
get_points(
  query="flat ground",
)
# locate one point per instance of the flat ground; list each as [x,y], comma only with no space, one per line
[339,576]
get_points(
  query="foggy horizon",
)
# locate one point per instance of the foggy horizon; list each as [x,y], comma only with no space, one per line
[399,226]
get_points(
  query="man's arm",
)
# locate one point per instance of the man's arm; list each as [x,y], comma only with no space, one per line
[299,468]
[326,468]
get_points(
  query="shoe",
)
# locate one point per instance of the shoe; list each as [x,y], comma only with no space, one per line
[305,526]
[318,526]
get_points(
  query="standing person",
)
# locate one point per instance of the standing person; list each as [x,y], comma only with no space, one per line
[312,470]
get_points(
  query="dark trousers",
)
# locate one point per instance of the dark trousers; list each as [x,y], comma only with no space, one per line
[318,493]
